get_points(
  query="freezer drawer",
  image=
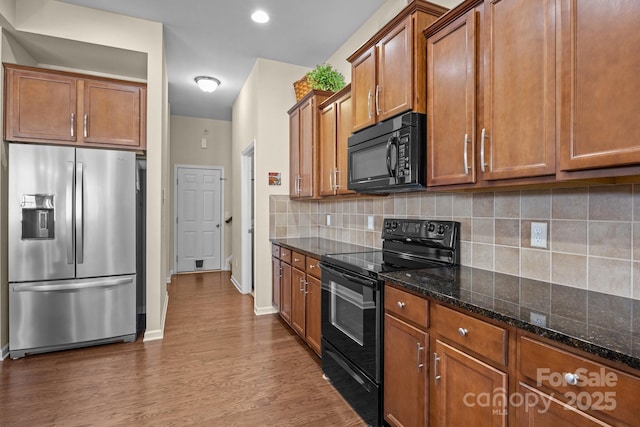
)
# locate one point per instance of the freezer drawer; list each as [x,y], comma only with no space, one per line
[46,316]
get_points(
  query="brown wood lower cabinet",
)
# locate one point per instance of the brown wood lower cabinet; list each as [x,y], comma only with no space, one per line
[285,292]
[481,372]
[466,391]
[405,373]
[297,293]
[298,300]
[541,410]
[313,332]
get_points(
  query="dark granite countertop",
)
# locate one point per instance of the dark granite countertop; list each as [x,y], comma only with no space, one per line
[600,324]
[318,246]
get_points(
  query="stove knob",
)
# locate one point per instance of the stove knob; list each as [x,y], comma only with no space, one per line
[431,228]
[441,229]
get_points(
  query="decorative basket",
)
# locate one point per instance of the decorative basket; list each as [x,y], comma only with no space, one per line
[302,87]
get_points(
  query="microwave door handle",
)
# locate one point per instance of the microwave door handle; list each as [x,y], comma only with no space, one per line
[389,156]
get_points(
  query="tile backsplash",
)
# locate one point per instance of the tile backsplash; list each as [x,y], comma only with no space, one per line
[593,232]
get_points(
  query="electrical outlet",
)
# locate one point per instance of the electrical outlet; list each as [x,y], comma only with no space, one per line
[538,319]
[538,234]
[370,222]
[328,219]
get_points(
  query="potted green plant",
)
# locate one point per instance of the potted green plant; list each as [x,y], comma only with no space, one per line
[325,77]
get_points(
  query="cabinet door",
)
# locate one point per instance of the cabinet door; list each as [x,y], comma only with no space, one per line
[520,88]
[313,332]
[344,113]
[41,107]
[327,151]
[600,96]
[363,86]
[393,94]
[294,152]
[298,301]
[307,140]
[540,409]
[111,113]
[451,103]
[460,383]
[275,282]
[285,292]
[405,373]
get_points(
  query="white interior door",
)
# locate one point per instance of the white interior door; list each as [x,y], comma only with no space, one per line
[199,220]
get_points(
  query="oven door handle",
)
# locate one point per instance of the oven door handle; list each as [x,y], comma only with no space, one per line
[348,369]
[349,277]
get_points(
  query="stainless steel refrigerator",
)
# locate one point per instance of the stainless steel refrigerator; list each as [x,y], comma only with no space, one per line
[72,247]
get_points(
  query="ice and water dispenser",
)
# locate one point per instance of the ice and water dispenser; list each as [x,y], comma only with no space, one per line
[38,215]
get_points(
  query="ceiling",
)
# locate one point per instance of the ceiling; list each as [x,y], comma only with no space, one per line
[219,39]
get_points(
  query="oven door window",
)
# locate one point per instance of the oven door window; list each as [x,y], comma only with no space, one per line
[347,312]
[351,318]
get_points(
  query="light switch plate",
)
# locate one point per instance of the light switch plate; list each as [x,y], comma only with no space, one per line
[328,219]
[538,234]
[370,222]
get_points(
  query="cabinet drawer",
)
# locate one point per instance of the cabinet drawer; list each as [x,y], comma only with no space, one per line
[584,383]
[476,335]
[312,267]
[285,255]
[406,305]
[298,261]
[275,251]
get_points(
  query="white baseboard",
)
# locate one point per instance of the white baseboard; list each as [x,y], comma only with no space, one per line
[4,352]
[158,334]
[261,311]
[236,283]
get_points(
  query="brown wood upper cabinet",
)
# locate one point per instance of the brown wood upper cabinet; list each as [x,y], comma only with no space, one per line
[513,135]
[66,108]
[303,145]
[600,96]
[335,129]
[388,72]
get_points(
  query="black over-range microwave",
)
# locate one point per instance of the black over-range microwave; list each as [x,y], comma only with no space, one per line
[390,156]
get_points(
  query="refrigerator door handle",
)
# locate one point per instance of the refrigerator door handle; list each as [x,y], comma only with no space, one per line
[72,286]
[69,213]
[79,211]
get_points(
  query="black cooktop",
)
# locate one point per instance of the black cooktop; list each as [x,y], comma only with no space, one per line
[407,244]
[375,262]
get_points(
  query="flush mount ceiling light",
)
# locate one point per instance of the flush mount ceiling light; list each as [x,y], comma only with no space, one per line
[260,16]
[206,83]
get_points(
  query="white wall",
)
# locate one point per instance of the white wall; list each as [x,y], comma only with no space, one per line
[65,21]
[260,113]
[186,135]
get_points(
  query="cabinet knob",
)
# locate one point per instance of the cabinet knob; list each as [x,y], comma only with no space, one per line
[296,259]
[400,304]
[463,332]
[311,266]
[571,379]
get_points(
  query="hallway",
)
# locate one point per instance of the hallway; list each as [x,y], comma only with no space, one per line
[218,365]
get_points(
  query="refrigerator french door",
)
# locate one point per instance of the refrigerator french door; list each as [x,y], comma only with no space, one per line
[72,247]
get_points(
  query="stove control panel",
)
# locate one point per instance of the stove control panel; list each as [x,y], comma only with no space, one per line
[408,229]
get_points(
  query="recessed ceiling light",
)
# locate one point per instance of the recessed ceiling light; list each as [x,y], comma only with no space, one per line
[206,83]
[260,16]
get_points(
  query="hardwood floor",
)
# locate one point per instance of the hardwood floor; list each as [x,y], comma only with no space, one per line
[218,365]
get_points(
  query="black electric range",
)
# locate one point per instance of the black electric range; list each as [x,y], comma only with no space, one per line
[352,304]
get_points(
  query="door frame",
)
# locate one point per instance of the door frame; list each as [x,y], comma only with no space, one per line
[248,157]
[175,210]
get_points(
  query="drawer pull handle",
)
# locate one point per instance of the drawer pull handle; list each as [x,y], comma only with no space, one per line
[571,379]
[463,332]
[436,359]
[420,348]
[400,304]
